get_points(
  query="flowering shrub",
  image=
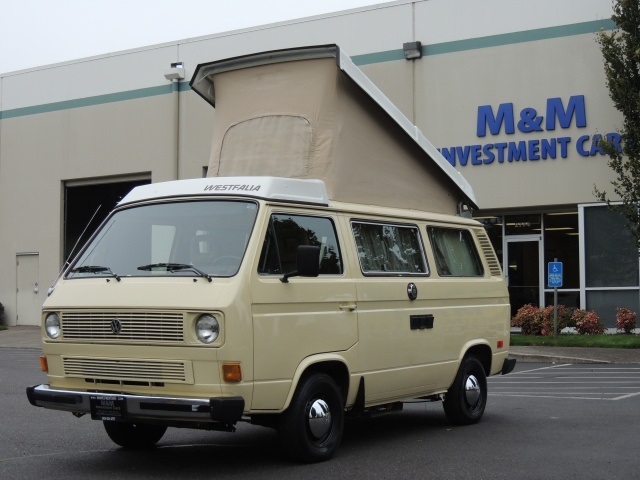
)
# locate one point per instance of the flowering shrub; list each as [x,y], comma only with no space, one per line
[625,320]
[587,322]
[565,315]
[539,321]
[528,318]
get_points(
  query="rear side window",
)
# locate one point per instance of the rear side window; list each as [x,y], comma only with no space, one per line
[389,249]
[286,232]
[455,252]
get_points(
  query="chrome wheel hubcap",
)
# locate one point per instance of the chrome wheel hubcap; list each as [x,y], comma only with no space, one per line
[472,391]
[319,418]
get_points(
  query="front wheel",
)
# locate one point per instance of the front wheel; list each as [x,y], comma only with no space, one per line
[466,399]
[135,436]
[312,426]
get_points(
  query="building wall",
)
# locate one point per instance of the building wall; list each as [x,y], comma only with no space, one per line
[116,116]
[525,75]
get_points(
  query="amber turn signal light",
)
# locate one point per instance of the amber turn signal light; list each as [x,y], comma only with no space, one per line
[44,365]
[231,372]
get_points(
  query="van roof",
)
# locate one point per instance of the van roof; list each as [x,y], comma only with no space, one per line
[305,191]
[310,192]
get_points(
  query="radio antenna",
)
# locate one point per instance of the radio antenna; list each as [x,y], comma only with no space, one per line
[66,262]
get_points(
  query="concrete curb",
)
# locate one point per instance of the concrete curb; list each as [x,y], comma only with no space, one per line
[556,359]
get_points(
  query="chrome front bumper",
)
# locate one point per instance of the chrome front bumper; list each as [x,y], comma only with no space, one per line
[123,407]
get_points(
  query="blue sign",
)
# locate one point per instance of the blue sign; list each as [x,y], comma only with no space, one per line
[509,119]
[554,275]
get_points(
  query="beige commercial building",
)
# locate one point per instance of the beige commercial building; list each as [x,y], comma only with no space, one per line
[513,93]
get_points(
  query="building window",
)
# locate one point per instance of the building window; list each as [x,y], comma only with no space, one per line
[561,242]
[611,263]
[610,254]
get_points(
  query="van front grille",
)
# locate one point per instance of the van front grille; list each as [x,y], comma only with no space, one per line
[128,370]
[112,326]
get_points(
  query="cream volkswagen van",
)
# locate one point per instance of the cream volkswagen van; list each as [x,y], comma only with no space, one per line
[203,303]
[288,301]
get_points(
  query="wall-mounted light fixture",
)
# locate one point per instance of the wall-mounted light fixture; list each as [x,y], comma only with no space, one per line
[412,50]
[176,72]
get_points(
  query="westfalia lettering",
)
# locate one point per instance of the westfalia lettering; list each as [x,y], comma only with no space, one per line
[504,120]
[232,188]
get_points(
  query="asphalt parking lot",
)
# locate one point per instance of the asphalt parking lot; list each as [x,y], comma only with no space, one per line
[570,381]
[543,420]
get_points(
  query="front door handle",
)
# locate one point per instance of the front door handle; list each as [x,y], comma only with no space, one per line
[348,306]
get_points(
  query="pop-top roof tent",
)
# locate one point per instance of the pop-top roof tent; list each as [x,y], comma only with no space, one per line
[292,113]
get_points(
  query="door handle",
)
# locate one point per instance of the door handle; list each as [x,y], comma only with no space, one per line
[421,322]
[348,306]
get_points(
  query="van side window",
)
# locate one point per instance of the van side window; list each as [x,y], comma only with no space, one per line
[389,249]
[286,232]
[455,252]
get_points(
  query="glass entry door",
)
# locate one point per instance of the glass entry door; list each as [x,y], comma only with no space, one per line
[524,271]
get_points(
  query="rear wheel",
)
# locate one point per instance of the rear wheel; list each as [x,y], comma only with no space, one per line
[312,426]
[466,400]
[135,436]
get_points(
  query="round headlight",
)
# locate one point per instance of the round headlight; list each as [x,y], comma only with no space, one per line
[207,328]
[52,325]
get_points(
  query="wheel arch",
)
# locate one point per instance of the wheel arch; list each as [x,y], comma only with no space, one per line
[331,365]
[482,351]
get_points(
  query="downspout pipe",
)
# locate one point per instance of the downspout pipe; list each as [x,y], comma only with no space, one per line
[176,73]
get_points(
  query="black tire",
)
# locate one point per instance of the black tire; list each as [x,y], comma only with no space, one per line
[466,399]
[135,436]
[311,428]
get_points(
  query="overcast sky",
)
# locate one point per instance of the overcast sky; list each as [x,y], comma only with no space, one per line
[41,32]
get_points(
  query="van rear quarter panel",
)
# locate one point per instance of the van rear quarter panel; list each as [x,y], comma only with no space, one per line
[399,362]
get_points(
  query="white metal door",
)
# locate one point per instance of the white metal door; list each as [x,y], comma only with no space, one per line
[28,304]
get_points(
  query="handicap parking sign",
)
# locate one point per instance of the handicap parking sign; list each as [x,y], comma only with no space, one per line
[554,275]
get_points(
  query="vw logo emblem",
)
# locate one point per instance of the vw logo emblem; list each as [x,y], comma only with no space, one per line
[116,326]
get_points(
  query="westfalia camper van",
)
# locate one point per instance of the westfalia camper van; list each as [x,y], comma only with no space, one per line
[284,302]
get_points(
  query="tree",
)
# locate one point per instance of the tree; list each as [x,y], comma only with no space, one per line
[621,51]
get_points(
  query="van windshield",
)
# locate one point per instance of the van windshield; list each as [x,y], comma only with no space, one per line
[196,238]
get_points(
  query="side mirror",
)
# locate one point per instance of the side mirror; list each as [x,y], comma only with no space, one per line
[307,263]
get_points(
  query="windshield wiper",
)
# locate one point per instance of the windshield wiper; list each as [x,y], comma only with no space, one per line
[94,269]
[175,267]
